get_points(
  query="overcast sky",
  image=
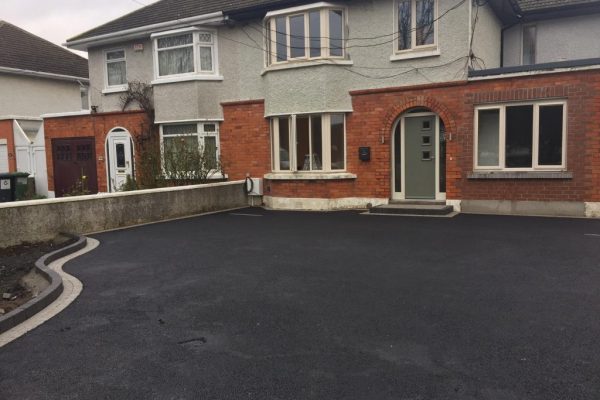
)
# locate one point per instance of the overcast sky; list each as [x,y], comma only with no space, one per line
[59,20]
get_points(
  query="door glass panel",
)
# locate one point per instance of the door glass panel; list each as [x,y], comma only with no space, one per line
[397,160]
[519,136]
[120,150]
[442,157]
[551,135]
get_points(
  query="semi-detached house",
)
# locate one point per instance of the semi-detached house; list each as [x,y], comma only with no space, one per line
[36,78]
[487,105]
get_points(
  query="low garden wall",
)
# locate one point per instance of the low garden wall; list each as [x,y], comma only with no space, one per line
[39,220]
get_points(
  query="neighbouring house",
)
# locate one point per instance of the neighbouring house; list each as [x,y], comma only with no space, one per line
[37,78]
[483,105]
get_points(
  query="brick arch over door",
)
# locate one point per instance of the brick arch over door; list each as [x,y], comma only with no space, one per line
[397,110]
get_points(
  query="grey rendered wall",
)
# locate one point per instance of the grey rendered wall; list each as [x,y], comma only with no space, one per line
[557,40]
[139,68]
[308,89]
[487,37]
[32,97]
[39,220]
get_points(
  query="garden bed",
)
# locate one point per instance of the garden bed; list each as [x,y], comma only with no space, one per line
[19,281]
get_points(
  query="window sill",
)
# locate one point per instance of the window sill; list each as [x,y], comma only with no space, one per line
[307,63]
[214,176]
[316,176]
[161,81]
[119,89]
[412,54]
[520,175]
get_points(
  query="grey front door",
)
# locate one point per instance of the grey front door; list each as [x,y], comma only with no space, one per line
[420,150]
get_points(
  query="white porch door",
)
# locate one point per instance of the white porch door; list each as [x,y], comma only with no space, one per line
[120,160]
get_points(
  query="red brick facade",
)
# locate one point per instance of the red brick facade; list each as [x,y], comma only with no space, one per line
[246,149]
[6,132]
[95,125]
[245,139]
[376,111]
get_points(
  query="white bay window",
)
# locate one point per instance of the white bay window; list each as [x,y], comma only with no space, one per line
[305,33]
[308,143]
[521,137]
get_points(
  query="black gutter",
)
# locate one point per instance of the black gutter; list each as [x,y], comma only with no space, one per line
[535,67]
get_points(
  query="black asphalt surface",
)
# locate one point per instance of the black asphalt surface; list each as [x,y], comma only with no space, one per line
[325,306]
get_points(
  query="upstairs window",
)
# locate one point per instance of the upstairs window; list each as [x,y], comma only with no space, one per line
[529,136]
[416,24]
[185,53]
[304,35]
[116,68]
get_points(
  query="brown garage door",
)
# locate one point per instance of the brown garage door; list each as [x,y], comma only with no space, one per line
[74,158]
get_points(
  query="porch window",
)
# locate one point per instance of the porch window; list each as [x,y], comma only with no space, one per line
[309,143]
[185,53]
[521,136]
[193,144]
[416,24]
[305,35]
[116,68]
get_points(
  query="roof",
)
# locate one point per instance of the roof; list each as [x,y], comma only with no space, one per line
[20,49]
[528,6]
[172,10]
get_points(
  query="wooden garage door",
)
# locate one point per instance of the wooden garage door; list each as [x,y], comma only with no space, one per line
[74,158]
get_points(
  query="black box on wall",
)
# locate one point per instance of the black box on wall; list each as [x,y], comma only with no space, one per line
[364,153]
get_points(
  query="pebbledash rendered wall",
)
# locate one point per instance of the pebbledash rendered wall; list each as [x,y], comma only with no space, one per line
[95,126]
[575,191]
[38,220]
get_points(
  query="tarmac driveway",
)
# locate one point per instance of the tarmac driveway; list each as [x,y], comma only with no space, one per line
[325,306]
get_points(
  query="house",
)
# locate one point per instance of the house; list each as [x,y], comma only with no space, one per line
[482,105]
[36,78]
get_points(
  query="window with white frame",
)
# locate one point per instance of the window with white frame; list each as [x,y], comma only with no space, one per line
[185,53]
[191,142]
[307,34]
[116,68]
[416,24]
[524,136]
[309,143]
